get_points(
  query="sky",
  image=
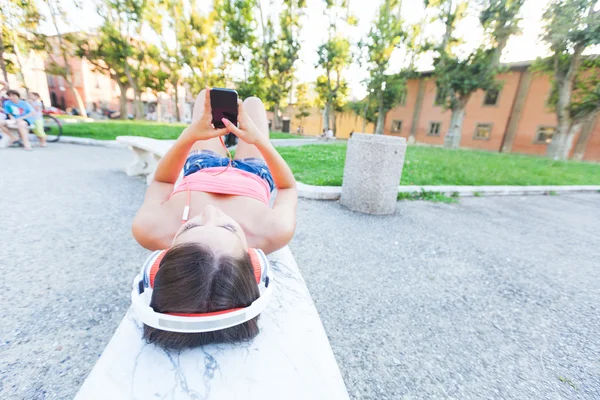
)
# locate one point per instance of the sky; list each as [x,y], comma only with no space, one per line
[526,46]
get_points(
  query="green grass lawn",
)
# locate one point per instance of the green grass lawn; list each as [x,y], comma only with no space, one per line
[323,165]
[109,130]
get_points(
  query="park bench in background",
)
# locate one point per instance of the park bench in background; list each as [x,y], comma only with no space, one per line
[290,358]
[147,152]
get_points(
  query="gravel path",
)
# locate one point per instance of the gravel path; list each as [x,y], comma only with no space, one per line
[66,260]
[492,298]
[489,298]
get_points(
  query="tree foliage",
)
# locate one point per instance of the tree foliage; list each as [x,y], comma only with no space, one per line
[303,103]
[458,77]
[334,58]
[385,36]
[572,26]
[19,21]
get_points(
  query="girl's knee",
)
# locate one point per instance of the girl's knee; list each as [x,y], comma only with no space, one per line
[253,101]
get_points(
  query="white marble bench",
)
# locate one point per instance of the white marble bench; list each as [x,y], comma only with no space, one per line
[290,358]
[147,152]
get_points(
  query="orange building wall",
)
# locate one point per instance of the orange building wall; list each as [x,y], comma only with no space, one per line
[475,113]
[592,150]
[404,112]
[535,114]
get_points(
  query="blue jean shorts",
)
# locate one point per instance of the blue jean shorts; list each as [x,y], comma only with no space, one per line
[198,160]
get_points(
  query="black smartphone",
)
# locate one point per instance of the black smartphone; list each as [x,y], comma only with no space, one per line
[224,105]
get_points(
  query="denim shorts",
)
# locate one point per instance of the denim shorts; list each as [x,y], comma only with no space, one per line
[198,160]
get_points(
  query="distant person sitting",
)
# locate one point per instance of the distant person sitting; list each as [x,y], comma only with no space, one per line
[21,116]
[38,121]
[329,133]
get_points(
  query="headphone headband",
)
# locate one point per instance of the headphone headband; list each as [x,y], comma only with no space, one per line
[141,295]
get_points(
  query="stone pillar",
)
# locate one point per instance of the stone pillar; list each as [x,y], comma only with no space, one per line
[372,173]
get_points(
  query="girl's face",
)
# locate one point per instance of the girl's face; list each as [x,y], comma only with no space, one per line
[215,229]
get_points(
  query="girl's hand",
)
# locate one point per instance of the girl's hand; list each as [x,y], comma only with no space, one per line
[247,131]
[202,129]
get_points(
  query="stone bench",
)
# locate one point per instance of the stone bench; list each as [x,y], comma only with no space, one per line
[289,359]
[147,153]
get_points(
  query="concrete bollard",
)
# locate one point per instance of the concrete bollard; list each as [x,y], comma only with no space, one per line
[372,173]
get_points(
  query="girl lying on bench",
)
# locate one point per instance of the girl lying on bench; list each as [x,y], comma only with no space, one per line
[207,229]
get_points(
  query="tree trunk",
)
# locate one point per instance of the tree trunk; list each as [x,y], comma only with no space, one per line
[380,118]
[454,134]
[2,63]
[80,105]
[364,127]
[78,99]
[20,63]
[122,100]
[177,113]
[276,122]
[137,111]
[137,105]
[334,123]
[583,140]
[326,117]
[158,110]
[562,141]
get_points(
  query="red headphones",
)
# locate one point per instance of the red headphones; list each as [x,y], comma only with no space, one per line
[141,295]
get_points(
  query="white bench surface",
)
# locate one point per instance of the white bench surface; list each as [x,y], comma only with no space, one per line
[155,146]
[289,359]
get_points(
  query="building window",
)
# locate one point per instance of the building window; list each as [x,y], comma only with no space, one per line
[491,97]
[434,129]
[483,131]
[402,99]
[440,97]
[544,134]
[51,80]
[396,126]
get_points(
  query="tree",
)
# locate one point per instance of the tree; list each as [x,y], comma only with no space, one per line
[64,43]
[194,45]
[155,75]
[302,103]
[572,26]
[236,31]
[365,108]
[278,53]
[334,58]
[18,23]
[384,37]
[116,48]
[458,78]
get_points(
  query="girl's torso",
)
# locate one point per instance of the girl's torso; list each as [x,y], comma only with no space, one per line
[250,213]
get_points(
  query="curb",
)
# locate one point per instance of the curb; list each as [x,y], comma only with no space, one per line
[334,192]
[89,142]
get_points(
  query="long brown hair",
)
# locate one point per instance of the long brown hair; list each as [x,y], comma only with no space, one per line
[192,279]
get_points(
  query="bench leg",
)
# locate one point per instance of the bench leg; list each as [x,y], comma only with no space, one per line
[143,163]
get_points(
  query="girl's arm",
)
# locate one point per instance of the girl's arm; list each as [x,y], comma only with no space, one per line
[170,165]
[278,229]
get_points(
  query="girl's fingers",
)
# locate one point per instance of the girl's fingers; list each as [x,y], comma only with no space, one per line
[231,127]
[207,107]
[220,132]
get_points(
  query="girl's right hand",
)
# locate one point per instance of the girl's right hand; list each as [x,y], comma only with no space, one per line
[247,130]
[202,129]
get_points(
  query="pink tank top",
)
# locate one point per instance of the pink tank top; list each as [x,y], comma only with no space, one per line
[231,181]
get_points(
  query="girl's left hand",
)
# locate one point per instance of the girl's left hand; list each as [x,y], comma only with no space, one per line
[202,129]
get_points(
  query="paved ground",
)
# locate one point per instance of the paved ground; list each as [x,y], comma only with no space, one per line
[67,259]
[492,298]
[489,298]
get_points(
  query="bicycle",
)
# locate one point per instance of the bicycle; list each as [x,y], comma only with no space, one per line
[52,127]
